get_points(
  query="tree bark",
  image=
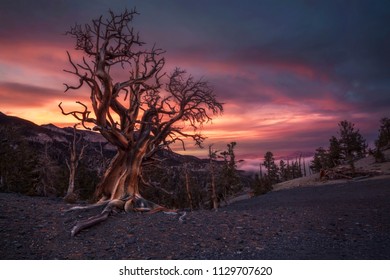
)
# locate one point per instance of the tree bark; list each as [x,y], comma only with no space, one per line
[72,175]
[122,177]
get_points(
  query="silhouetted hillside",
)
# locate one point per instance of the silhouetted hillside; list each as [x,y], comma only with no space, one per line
[33,161]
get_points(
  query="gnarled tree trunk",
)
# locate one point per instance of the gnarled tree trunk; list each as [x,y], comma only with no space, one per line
[122,177]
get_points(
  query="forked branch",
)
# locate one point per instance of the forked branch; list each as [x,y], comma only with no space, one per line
[82,116]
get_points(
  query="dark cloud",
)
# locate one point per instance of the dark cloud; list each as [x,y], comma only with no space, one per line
[26,95]
[47,20]
[35,92]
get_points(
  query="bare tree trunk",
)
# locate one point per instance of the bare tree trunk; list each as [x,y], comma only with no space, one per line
[72,166]
[119,189]
[72,175]
[188,185]
[213,190]
[300,166]
[214,199]
[121,178]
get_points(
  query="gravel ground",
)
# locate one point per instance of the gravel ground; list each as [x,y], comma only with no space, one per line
[341,221]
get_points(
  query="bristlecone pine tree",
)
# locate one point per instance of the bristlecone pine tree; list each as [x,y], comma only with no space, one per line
[383,140]
[272,168]
[352,145]
[135,106]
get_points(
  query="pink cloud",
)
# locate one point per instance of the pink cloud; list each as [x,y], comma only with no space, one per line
[47,57]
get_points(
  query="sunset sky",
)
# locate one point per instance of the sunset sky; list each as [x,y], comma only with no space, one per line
[287,71]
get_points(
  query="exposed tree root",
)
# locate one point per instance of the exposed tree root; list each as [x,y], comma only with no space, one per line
[92,206]
[128,204]
[88,223]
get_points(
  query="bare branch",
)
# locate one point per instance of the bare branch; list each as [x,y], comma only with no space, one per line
[82,116]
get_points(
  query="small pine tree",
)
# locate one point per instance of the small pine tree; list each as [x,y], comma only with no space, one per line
[283,171]
[296,169]
[261,185]
[383,140]
[352,144]
[18,161]
[349,147]
[47,170]
[320,161]
[384,133]
[272,168]
[334,153]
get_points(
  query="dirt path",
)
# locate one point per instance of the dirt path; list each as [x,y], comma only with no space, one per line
[340,221]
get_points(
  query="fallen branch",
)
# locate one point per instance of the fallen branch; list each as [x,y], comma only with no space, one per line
[347,173]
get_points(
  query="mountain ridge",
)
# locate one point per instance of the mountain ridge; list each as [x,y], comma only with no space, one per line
[34,162]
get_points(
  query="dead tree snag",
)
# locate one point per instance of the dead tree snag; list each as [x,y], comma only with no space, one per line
[73,163]
[213,188]
[133,103]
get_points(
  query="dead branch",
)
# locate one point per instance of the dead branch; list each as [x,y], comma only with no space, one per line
[89,223]
[82,116]
[344,172]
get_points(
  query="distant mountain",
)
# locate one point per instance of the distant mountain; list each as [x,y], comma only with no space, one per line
[51,134]
[48,132]
[18,122]
[33,160]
